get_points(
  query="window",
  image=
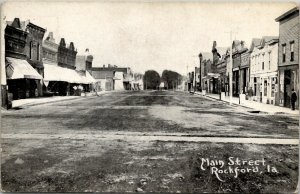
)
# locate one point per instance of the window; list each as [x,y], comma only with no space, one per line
[283,53]
[292,51]
[269,60]
[38,52]
[30,50]
[263,62]
[255,86]
[274,79]
[265,87]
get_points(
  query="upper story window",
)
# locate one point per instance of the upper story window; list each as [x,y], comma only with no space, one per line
[270,60]
[292,50]
[30,50]
[263,62]
[283,52]
[38,52]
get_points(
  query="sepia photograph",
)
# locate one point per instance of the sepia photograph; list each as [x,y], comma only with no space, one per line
[149,96]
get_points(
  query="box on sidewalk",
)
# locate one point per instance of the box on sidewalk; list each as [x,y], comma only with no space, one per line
[222,96]
[242,98]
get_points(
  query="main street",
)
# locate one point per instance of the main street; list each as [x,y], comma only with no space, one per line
[160,141]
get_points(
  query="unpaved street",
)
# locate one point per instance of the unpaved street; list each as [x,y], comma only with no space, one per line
[146,141]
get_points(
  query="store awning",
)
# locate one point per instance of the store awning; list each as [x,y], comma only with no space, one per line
[87,78]
[20,69]
[56,73]
[214,75]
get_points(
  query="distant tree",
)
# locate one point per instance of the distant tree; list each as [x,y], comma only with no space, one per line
[151,79]
[171,79]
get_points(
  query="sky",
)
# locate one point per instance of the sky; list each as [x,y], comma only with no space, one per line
[149,35]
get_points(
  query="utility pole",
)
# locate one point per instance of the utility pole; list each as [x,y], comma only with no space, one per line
[200,75]
[195,77]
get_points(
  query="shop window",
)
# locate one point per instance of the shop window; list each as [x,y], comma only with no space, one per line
[274,80]
[255,86]
[265,88]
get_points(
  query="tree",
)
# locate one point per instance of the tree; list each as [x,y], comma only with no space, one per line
[171,79]
[151,79]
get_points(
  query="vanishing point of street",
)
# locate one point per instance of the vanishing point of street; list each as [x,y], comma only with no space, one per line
[160,141]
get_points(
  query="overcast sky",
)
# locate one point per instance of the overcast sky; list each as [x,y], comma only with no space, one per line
[149,35]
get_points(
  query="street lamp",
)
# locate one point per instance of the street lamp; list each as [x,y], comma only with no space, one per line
[200,59]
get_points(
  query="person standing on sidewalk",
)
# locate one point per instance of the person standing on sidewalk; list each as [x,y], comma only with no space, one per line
[293,99]
[250,93]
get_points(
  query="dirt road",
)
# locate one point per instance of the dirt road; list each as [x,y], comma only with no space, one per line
[147,141]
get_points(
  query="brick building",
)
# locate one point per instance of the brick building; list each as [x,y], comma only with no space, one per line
[288,57]
[221,70]
[238,48]
[66,54]
[206,69]
[245,72]
[50,50]
[22,78]
[34,50]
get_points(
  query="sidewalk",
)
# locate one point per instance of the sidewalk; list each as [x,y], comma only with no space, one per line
[271,109]
[42,100]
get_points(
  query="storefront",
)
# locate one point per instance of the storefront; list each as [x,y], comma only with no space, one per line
[288,80]
[64,81]
[22,78]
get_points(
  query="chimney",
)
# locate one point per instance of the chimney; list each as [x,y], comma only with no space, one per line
[242,43]
[16,23]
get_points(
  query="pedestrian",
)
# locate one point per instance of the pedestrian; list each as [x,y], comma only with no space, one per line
[250,93]
[293,99]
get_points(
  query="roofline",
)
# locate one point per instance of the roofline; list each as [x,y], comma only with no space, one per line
[42,29]
[286,14]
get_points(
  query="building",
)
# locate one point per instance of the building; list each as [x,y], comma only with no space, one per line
[34,50]
[83,67]
[263,69]
[23,80]
[206,69]
[66,54]
[223,76]
[245,72]
[218,79]
[138,83]
[238,48]
[288,57]
[104,77]
[61,78]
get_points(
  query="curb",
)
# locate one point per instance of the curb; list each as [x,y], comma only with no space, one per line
[233,103]
[35,104]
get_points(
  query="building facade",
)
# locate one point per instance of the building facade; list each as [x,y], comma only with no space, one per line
[23,80]
[34,51]
[238,48]
[263,70]
[66,54]
[245,72]
[105,77]
[288,57]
